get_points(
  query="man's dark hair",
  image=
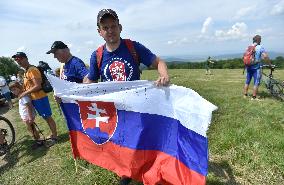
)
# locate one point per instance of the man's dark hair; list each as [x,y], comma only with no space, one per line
[106,13]
[256,39]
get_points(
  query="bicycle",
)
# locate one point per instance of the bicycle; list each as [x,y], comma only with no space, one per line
[7,131]
[274,86]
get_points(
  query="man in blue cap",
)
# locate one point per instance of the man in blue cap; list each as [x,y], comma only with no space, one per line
[74,69]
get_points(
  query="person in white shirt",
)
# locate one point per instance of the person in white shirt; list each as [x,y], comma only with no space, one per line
[27,112]
[5,91]
[13,78]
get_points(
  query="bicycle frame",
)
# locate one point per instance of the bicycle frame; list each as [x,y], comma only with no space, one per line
[275,87]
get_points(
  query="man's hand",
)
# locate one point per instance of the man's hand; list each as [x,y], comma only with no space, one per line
[161,66]
[163,81]
[22,94]
[86,80]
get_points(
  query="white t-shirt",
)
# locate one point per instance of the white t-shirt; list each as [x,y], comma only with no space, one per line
[3,85]
[23,108]
[2,81]
[13,78]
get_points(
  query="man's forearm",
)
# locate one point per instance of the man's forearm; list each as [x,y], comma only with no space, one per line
[31,90]
[162,68]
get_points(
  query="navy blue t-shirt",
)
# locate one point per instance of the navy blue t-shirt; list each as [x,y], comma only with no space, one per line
[74,70]
[120,65]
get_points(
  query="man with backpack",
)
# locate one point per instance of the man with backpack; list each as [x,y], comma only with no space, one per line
[32,87]
[252,60]
[119,59]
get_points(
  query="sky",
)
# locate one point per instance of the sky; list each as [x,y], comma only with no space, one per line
[166,27]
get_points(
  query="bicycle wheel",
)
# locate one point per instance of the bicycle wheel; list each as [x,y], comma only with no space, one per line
[276,89]
[7,130]
[266,81]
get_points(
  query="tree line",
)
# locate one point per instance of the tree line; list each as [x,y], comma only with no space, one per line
[236,63]
[9,67]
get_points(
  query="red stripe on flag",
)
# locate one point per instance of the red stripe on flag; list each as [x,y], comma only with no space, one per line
[148,166]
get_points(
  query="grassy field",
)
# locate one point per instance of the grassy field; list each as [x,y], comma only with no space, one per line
[246,143]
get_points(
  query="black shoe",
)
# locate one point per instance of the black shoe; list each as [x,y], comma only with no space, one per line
[125,181]
[37,144]
[52,141]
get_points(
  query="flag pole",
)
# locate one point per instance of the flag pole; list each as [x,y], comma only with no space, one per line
[60,111]
[76,167]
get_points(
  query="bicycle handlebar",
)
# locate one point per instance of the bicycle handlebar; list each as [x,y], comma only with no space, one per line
[269,66]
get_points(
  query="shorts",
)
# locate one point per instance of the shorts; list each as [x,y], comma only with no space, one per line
[25,118]
[7,96]
[42,107]
[256,74]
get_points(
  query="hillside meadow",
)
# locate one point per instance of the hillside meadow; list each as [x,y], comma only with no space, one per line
[246,143]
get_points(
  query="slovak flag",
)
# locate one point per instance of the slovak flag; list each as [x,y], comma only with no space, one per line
[136,129]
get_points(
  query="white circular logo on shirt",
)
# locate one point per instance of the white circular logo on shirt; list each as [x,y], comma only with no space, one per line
[117,68]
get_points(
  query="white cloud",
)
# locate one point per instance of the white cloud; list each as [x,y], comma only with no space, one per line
[237,31]
[244,11]
[278,9]
[178,41]
[184,40]
[262,31]
[171,42]
[206,25]
[89,24]
[178,23]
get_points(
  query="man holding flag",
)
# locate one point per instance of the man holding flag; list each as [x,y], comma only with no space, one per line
[117,61]
[152,134]
[156,135]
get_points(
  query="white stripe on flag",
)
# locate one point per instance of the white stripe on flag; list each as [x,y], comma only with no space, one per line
[183,104]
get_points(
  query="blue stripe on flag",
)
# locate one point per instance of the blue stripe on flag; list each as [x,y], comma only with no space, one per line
[143,131]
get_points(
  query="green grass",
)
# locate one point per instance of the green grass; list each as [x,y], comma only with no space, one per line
[246,143]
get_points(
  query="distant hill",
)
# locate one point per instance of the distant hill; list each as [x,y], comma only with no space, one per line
[228,56]
[202,58]
[184,58]
[272,55]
